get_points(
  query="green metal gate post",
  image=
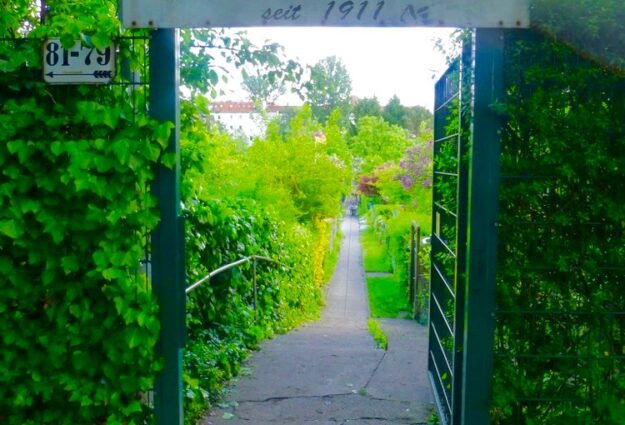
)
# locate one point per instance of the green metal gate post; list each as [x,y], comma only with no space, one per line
[482,232]
[167,239]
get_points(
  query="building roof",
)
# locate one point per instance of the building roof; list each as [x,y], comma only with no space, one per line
[231,107]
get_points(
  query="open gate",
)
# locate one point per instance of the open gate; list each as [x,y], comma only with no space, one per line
[466,181]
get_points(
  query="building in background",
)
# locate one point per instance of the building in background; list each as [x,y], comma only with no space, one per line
[242,119]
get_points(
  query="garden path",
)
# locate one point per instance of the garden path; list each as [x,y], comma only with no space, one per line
[330,371]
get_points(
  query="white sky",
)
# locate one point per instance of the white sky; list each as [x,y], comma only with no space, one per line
[381,62]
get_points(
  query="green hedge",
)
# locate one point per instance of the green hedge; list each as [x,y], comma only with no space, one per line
[222,322]
[559,349]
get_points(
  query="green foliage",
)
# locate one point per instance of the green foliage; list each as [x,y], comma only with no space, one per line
[433,418]
[398,237]
[418,120]
[334,248]
[377,142]
[272,198]
[369,106]
[560,259]
[299,175]
[79,323]
[395,182]
[308,167]
[415,119]
[387,296]
[328,88]
[261,90]
[201,71]
[224,317]
[591,27]
[388,184]
[394,112]
[378,334]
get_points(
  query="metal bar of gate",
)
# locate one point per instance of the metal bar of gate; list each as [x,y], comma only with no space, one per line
[464,131]
[443,370]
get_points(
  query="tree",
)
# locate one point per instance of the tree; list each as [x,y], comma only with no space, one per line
[378,142]
[329,88]
[394,112]
[200,72]
[416,119]
[369,106]
[262,90]
[303,173]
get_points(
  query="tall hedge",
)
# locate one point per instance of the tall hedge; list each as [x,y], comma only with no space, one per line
[560,337]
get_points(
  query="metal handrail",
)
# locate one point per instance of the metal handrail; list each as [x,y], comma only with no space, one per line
[230,266]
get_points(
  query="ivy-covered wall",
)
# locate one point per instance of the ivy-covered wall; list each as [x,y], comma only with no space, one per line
[78,322]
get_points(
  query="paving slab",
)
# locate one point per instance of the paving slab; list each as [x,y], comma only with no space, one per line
[330,371]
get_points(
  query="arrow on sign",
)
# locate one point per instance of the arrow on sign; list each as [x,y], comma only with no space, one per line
[95,74]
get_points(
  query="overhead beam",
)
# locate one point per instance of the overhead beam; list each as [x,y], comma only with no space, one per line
[337,13]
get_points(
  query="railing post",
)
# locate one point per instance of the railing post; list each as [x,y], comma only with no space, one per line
[254,285]
[418,310]
[412,290]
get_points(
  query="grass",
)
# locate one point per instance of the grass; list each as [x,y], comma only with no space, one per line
[378,334]
[376,259]
[387,296]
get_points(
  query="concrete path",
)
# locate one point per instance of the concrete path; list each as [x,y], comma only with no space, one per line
[330,371]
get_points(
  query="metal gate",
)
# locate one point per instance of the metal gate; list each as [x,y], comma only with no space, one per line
[465,191]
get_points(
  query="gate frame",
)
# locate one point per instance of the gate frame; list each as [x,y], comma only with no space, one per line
[480,86]
[471,400]
[483,207]
[167,250]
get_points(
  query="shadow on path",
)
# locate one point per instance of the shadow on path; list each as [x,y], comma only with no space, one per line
[330,371]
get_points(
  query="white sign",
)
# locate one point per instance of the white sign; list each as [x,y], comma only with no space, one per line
[350,13]
[78,65]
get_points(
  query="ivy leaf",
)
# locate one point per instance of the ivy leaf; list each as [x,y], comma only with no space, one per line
[68,40]
[133,407]
[134,337]
[169,160]
[111,117]
[162,132]
[101,40]
[70,264]
[100,259]
[103,164]
[122,150]
[11,228]
[57,148]
[5,266]
[30,206]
